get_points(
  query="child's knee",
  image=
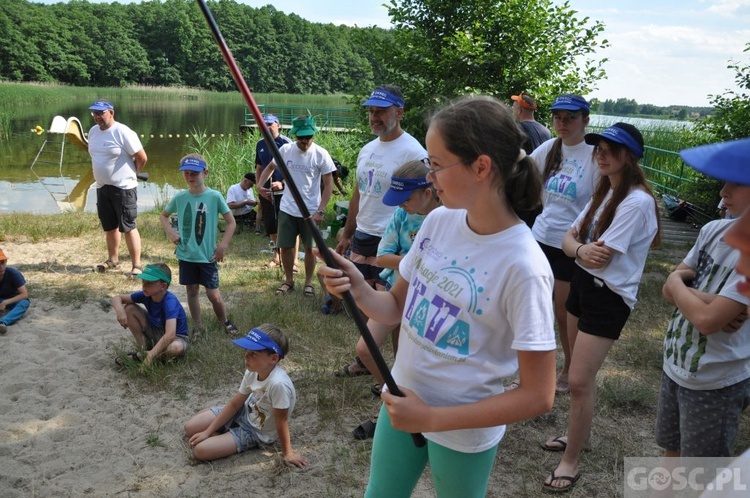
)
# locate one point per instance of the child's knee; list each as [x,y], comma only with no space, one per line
[192,290]
[214,296]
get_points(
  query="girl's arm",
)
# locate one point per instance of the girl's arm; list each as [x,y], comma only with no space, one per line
[282,429]
[225,415]
[384,307]
[390,261]
[533,397]
[592,255]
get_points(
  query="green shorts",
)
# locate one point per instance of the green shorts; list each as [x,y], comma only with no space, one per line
[289,227]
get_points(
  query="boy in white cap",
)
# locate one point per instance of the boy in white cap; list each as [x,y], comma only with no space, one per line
[258,414]
[160,325]
[14,297]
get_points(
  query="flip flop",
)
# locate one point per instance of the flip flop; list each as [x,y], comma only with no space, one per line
[365,430]
[562,489]
[558,444]
[284,289]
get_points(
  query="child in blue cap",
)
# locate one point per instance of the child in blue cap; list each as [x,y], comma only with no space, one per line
[258,414]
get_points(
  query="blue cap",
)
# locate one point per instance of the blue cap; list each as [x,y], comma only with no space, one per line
[383,98]
[102,105]
[726,161]
[568,102]
[257,340]
[270,119]
[621,133]
[401,189]
[192,164]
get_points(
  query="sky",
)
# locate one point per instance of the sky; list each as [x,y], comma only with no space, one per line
[663,52]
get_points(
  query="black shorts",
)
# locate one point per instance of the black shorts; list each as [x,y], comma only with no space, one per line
[205,274]
[562,265]
[271,214]
[364,250]
[600,311]
[117,208]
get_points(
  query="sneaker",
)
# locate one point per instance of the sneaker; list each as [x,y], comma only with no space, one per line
[326,308]
[3,328]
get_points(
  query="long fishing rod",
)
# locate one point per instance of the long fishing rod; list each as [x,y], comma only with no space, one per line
[325,252]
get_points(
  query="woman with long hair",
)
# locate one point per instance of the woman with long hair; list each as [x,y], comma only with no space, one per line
[609,240]
[569,175]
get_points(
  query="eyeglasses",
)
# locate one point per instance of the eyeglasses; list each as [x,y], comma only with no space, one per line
[97,113]
[305,139]
[432,172]
[565,118]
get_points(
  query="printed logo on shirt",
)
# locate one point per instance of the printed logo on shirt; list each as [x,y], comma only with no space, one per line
[200,223]
[563,183]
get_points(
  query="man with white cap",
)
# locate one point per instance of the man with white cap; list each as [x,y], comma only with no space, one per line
[368,217]
[116,156]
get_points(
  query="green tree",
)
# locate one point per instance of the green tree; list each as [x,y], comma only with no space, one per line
[731,118]
[445,48]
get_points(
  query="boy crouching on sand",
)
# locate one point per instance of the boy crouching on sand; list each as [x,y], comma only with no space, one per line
[161,327]
[14,297]
[259,412]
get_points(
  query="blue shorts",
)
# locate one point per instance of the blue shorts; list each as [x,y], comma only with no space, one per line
[205,274]
[244,434]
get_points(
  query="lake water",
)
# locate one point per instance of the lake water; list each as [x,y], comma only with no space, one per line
[51,188]
[163,126]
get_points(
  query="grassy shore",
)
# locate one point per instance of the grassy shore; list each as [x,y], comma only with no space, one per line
[320,344]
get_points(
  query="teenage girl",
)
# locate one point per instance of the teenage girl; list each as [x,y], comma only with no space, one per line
[610,240]
[416,198]
[474,299]
[569,176]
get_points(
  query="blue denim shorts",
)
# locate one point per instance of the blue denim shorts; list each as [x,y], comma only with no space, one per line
[205,274]
[245,435]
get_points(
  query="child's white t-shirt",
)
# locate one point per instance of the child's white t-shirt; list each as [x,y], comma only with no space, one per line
[472,302]
[276,391]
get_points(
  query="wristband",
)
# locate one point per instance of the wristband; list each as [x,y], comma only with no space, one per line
[578,249]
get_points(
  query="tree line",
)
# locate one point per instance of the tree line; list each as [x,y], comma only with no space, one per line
[629,107]
[169,44]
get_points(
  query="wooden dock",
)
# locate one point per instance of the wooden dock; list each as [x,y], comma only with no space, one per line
[678,232]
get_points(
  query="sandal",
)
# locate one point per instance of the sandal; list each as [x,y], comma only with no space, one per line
[107,265]
[137,270]
[561,489]
[355,369]
[365,430]
[230,328]
[376,389]
[284,289]
[309,291]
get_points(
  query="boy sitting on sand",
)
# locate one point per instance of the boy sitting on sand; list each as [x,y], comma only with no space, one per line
[14,297]
[259,412]
[160,326]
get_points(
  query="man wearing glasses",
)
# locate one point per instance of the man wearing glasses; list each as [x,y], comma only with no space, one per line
[116,156]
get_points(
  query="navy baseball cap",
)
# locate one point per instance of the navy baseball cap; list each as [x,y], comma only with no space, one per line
[726,161]
[102,105]
[568,102]
[621,133]
[257,340]
[401,189]
[383,98]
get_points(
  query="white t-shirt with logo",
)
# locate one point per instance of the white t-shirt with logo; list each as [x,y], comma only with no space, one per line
[375,165]
[630,235]
[112,152]
[566,191]
[276,391]
[472,302]
[306,169]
